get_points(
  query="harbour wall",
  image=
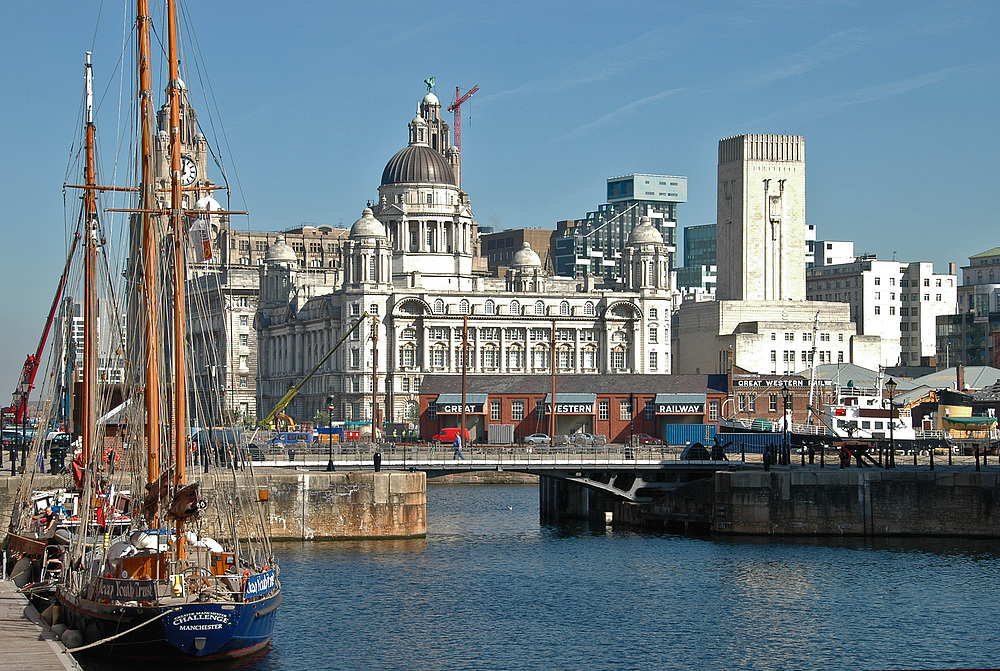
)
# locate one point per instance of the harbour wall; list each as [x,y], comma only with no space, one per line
[852,502]
[303,505]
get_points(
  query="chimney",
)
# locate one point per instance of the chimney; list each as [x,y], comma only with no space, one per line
[960,377]
[952,268]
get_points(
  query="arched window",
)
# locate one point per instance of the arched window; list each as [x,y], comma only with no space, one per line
[515,308]
[588,309]
[438,306]
[463,307]
[371,269]
[564,308]
[539,308]
[619,336]
[409,333]
[490,308]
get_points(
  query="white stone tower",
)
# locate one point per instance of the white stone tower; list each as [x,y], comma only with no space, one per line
[644,259]
[761,218]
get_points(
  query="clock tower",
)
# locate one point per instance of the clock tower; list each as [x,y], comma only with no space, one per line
[194,161]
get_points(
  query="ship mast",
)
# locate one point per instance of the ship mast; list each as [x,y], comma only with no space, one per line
[89,399]
[179,400]
[149,260]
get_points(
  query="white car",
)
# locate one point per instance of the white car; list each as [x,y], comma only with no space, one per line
[537,439]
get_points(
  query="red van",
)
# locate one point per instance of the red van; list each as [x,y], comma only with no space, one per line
[447,435]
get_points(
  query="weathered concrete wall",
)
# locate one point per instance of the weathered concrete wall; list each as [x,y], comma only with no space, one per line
[858,503]
[485,478]
[560,500]
[307,505]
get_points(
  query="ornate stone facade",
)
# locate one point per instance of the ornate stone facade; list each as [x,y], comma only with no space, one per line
[411,263]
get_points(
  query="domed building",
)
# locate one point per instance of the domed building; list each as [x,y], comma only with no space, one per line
[411,263]
[427,216]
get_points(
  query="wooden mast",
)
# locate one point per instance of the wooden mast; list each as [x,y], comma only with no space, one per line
[89,396]
[150,308]
[178,379]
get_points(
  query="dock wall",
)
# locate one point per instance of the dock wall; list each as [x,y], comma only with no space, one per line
[832,502]
[305,505]
[858,503]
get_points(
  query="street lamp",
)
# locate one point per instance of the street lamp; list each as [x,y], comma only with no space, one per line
[786,452]
[329,407]
[891,388]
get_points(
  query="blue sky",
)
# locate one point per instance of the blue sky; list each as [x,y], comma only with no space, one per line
[897,102]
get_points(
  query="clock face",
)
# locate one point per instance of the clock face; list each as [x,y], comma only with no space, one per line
[189,171]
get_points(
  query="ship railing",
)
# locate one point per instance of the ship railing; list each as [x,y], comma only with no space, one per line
[809,429]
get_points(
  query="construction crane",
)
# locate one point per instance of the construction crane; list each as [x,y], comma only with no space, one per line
[269,421]
[456,107]
[16,413]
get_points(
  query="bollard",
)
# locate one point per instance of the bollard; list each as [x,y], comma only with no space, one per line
[377,461]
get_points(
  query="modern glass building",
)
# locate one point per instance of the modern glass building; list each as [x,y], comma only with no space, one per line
[594,246]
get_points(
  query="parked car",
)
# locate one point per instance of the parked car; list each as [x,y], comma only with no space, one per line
[537,439]
[645,439]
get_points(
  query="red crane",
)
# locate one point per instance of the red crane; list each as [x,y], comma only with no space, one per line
[456,107]
[17,410]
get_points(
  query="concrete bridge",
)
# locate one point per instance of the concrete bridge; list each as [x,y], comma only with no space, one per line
[626,474]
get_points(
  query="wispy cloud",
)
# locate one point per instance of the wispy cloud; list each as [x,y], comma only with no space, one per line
[599,66]
[824,106]
[624,111]
[830,49]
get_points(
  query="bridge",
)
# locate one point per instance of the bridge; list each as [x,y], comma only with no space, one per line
[633,474]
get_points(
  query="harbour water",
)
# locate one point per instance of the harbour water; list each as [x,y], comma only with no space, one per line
[491,588]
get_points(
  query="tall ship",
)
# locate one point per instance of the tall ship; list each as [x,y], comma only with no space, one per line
[156,560]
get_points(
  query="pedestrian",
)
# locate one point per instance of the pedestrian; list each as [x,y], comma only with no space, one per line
[767,458]
[458,447]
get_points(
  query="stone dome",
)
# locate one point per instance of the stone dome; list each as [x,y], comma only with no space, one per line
[280,251]
[207,203]
[526,257]
[431,99]
[418,164]
[645,232]
[367,226]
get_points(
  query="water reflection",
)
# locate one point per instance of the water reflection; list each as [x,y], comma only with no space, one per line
[492,588]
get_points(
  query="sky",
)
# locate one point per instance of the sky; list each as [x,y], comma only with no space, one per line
[897,102]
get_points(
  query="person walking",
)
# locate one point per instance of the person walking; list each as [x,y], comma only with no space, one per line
[458,447]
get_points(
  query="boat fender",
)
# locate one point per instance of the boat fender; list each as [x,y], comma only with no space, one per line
[72,638]
[23,572]
[210,543]
[59,629]
[246,577]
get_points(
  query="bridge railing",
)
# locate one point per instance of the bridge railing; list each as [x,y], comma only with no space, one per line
[350,452]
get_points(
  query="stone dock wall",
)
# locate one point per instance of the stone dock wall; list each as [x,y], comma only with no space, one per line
[304,505]
[833,502]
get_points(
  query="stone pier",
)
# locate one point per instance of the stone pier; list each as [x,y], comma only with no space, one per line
[304,505]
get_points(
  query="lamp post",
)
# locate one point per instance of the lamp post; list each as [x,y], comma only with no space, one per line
[891,388]
[329,407]
[786,453]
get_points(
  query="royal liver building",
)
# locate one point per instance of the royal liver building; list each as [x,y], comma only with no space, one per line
[412,263]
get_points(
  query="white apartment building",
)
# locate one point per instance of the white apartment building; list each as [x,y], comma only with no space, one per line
[895,300]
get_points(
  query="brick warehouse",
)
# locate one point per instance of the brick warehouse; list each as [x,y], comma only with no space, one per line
[615,406]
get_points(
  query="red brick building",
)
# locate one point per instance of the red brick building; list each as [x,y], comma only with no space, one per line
[615,406]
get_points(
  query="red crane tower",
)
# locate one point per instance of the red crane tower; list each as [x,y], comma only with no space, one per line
[456,107]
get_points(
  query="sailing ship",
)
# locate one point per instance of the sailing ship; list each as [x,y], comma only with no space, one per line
[153,569]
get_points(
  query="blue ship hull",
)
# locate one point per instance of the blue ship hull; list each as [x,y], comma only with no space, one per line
[208,631]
